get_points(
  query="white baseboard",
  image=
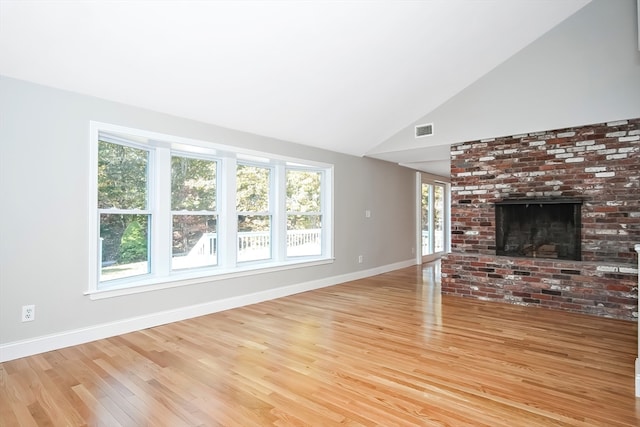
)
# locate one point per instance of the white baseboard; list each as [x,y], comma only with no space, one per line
[29,347]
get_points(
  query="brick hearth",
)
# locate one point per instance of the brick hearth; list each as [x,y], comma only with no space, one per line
[599,164]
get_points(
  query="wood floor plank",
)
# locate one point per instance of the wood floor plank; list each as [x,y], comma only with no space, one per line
[386,350]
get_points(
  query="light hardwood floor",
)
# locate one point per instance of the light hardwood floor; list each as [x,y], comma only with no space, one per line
[386,350]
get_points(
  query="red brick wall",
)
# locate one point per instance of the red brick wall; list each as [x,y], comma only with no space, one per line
[599,164]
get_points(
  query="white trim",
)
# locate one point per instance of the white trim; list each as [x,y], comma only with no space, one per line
[328,192]
[94,245]
[432,222]
[277,204]
[429,180]
[227,221]
[160,148]
[447,217]
[29,347]
[418,225]
[182,144]
[195,276]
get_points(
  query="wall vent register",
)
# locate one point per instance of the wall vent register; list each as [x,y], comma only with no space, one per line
[424,130]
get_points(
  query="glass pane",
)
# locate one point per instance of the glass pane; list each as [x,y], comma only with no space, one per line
[252,188]
[254,237]
[124,245]
[425,209]
[304,235]
[438,217]
[122,176]
[195,242]
[303,191]
[193,184]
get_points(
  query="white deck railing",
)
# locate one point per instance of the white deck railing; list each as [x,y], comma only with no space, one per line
[255,245]
[252,246]
[439,241]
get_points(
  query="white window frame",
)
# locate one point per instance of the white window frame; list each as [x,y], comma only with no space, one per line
[425,179]
[215,213]
[146,210]
[273,229]
[323,178]
[161,148]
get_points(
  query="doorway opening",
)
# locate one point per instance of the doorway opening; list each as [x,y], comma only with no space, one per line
[433,218]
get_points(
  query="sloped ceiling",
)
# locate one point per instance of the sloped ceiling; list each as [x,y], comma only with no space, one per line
[340,75]
[584,71]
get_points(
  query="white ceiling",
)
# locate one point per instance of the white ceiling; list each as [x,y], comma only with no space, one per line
[340,75]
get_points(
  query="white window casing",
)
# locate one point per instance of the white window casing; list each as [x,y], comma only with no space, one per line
[161,148]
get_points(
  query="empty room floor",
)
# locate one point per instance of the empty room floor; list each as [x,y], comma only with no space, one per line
[386,350]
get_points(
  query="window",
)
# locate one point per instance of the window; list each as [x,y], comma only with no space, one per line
[433,217]
[304,213]
[254,217]
[426,218]
[167,210]
[193,212]
[438,217]
[123,209]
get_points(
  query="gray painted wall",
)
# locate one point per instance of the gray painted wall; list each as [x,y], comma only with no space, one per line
[44,142]
[586,70]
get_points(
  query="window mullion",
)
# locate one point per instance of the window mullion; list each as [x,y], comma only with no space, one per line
[228,221]
[125,211]
[278,207]
[160,206]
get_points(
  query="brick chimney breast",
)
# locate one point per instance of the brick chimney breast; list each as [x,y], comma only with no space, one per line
[598,165]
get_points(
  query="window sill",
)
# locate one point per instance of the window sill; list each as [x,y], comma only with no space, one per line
[201,276]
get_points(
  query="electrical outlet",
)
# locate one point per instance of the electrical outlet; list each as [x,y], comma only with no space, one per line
[28,313]
[360,259]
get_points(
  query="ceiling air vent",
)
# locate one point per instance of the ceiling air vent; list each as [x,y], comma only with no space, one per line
[424,130]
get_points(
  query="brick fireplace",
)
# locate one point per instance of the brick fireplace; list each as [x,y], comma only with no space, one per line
[539,228]
[596,167]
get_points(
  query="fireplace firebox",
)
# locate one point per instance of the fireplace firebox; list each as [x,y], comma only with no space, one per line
[539,228]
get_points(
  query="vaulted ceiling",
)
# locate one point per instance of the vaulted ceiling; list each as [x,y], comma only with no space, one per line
[340,75]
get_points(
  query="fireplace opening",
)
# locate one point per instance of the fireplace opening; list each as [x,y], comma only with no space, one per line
[540,228]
